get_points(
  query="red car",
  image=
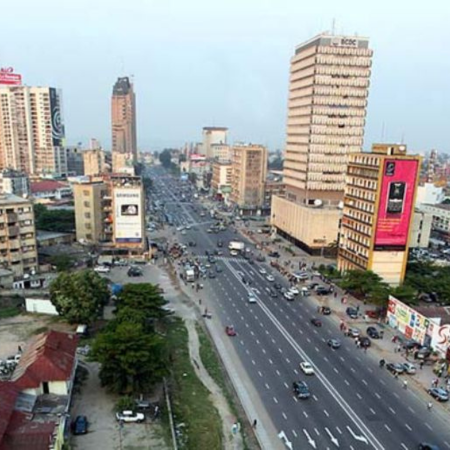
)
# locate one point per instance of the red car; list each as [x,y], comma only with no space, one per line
[316,322]
[230,330]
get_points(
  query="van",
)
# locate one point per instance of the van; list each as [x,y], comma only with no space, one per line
[82,330]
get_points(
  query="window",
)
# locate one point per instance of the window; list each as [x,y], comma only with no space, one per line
[86,193]
[89,236]
[87,204]
[87,215]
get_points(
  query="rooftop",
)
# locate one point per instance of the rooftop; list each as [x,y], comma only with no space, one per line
[442,312]
[47,185]
[10,199]
[122,86]
[42,235]
[443,206]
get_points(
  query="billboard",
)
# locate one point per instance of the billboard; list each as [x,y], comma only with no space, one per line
[128,215]
[8,77]
[56,117]
[396,203]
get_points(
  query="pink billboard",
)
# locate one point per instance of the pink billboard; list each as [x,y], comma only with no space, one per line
[7,76]
[396,202]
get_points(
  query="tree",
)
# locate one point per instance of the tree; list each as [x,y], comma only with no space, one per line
[405,293]
[62,262]
[360,282]
[62,221]
[79,296]
[131,359]
[142,297]
[166,158]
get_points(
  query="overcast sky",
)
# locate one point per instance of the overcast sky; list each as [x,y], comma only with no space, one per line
[226,63]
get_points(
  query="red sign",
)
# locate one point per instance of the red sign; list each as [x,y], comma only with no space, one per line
[7,76]
[396,202]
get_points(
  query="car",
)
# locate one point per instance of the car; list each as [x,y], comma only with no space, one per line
[395,368]
[251,297]
[208,265]
[209,230]
[353,332]
[373,333]
[230,331]
[134,272]
[306,368]
[180,228]
[260,258]
[426,446]
[188,227]
[262,271]
[211,274]
[211,259]
[168,310]
[351,312]
[247,281]
[301,389]
[326,310]
[294,291]
[313,285]
[321,290]
[410,368]
[121,263]
[219,244]
[440,394]
[102,269]
[423,352]
[80,425]
[270,278]
[334,343]
[256,291]
[273,293]
[316,322]
[277,286]
[241,274]
[219,268]
[274,254]
[288,296]
[130,417]
[365,342]
[142,404]
[234,253]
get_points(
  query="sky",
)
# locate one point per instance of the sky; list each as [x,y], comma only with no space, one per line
[199,63]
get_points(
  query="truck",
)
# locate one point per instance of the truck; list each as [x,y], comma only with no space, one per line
[189,274]
[236,245]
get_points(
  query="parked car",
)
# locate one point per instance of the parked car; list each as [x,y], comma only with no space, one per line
[102,269]
[130,417]
[301,389]
[288,295]
[322,290]
[373,333]
[211,274]
[134,272]
[441,395]
[277,286]
[80,425]
[426,446]
[353,332]
[410,368]
[395,368]
[251,297]
[262,271]
[326,310]
[364,341]
[352,312]
[270,278]
[293,290]
[230,331]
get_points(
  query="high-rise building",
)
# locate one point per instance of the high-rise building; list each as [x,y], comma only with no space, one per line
[249,168]
[378,211]
[212,136]
[32,130]
[123,121]
[75,163]
[221,152]
[94,162]
[18,250]
[329,86]
[14,182]
[221,179]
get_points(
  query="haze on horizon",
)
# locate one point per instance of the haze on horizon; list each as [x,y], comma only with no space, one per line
[226,63]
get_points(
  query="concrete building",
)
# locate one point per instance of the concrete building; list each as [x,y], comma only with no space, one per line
[329,86]
[212,136]
[75,162]
[430,194]
[221,152]
[123,121]
[440,223]
[18,249]
[221,180]
[420,229]
[249,169]
[89,212]
[32,130]
[50,190]
[273,186]
[378,211]
[94,162]
[14,182]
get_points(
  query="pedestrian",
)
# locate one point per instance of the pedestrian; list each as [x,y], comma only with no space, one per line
[421,365]
[429,406]
[335,294]
[396,375]
[200,301]
[255,422]
[405,384]
[342,300]
[365,349]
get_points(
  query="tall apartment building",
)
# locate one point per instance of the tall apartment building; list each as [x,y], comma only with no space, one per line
[94,162]
[18,250]
[221,152]
[249,168]
[75,163]
[213,136]
[329,86]
[14,182]
[222,174]
[378,211]
[123,121]
[32,130]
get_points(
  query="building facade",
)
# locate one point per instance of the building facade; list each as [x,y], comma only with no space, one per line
[94,162]
[75,162]
[440,222]
[18,248]
[222,179]
[32,130]
[123,122]
[420,229]
[328,91]
[378,211]
[14,182]
[249,169]
[221,152]
[212,136]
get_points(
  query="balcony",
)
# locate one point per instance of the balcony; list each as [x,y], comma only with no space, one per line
[12,217]
[13,231]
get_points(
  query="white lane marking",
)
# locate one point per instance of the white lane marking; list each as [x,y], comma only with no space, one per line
[326,413]
[281,351]
[346,382]
[428,426]
[294,433]
[409,407]
[359,396]
[317,349]
[259,373]
[372,410]
[304,413]
[271,362]
[246,351]
[253,362]
[263,350]
[286,385]
[308,339]
[288,360]
[275,400]
[325,358]
[404,446]
[267,386]
[396,395]
[257,341]
[364,382]
[341,358]
[377,395]
[315,398]
[284,415]
[296,371]
[338,430]
[317,431]
[295,398]
[352,369]
[278,372]
[387,428]
[382,382]
[407,426]
[334,368]
[391,410]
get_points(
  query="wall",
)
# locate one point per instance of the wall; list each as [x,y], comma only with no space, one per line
[389,266]
[58,387]
[420,230]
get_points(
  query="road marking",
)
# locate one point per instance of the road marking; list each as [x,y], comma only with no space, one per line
[334,368]
[304,413]
[325,358]
[246,351]
[284,415]
[387,428]
[296,371]
[391,410]
[409,407]
[396,395]
[404,446]
[341,358]
[271,362]
[263,351]
[242,342]
[259,373]
[294,433]
[275,400]
[253,362]
[308,339]
[364,382]
[372,411]
[288,360]
[338,430]
[346,382]
[286,385]
[278,372]
[251,332]
[315,398]
[359,396]
[370,370]
[257,341]
[300,331]
[317,431]
[352,369]
[281,351]
[273,341]
[295,398]
[326,413]
[382,382]
[407,426]
[317,349]
[260,323]
[428,426]
[377,395]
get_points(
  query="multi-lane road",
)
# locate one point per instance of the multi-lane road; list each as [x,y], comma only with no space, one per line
[353,405]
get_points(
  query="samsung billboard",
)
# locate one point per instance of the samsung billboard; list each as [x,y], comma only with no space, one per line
[128,215]
[396,203]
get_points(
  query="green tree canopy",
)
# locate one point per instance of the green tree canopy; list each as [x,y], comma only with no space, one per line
[166,158]
[360,282]
[62,221]
[143,297]
[79,296]
[131,359]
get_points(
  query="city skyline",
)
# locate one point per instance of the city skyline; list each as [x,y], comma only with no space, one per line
[238,68]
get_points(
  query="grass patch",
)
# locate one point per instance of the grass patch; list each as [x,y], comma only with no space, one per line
[9,311]
[190,399]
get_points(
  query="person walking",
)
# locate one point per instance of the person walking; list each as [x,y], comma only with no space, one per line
[405,384]
[255,423]
[429,406]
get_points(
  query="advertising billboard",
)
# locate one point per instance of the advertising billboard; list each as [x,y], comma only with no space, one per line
[8,77]
[396,203]
[56,116]
[128,215]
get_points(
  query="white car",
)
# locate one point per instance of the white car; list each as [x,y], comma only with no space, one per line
[251,298]
[262,271]
[102,269]
[289,295]
[234,253]
[306,368]
[410,369]
[270,278]
[130,416]
[180,228]
[294,291]
[188,227]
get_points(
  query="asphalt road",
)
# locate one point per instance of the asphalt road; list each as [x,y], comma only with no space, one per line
[354,403]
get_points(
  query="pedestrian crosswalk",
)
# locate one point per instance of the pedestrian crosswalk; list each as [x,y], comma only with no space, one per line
[224,258]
